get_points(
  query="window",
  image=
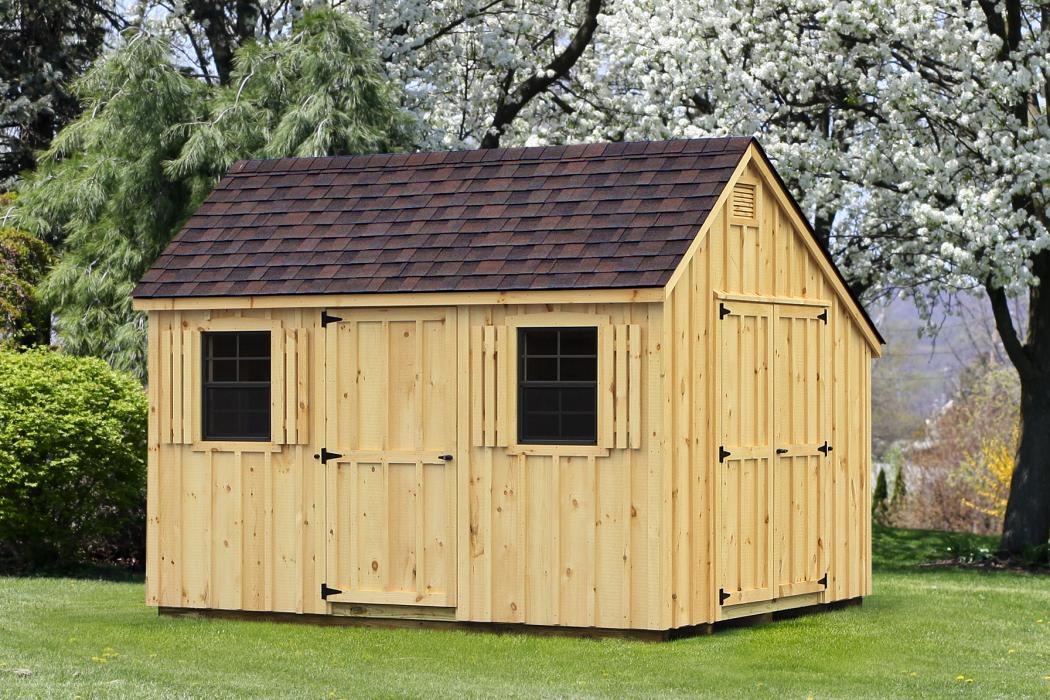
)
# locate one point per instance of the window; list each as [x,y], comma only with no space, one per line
[236,388]
[558,386]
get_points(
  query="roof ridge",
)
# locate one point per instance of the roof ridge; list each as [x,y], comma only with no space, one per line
[495,155]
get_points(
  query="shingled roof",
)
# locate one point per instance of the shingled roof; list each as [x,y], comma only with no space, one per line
[558,217]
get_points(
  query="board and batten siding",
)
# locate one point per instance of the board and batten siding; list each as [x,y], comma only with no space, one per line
[566,535]
[544,535]
[237,526]
[759,254]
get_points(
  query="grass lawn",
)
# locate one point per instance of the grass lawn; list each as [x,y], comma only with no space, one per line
[925,633]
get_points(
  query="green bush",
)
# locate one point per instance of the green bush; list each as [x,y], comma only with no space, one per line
[72,461]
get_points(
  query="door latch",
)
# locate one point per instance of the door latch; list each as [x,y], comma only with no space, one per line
[445,458]
[782,450]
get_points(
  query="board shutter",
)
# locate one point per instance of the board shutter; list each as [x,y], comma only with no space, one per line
[177,354]
[620,369]
[289,386]
[490,381]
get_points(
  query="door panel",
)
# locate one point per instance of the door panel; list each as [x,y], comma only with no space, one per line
[745,483]
[802,476]
[391,415]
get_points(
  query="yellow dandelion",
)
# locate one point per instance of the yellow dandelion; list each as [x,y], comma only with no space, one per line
[1011,651]
[960,677]
[913,674]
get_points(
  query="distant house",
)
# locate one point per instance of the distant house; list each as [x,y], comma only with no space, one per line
[613,386]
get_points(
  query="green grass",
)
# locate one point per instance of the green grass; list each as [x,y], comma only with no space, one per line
[924,633]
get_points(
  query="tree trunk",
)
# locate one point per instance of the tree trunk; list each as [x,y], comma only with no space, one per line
[1027,522]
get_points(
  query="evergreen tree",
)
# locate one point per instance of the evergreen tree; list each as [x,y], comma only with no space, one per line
[43,47]
[119,181]
[879,499]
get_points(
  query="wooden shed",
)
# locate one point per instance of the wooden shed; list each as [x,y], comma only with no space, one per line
[614,386]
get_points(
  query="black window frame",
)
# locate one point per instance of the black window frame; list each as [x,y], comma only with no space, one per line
[523,383]
[208,384]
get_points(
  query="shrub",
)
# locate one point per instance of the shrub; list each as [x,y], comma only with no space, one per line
[72,460]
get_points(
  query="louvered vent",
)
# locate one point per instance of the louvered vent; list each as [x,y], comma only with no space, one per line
[744,201]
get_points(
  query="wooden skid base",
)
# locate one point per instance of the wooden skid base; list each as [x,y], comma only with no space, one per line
[375,618]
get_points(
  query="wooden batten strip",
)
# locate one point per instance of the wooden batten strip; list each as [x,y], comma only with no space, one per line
[165,386]
[606,387]
[502,437]
[301,407]
[621,386]
[477,411]
[189,372]
[176,385]
[291,388]
[489,371]
[277,377]
[634,386]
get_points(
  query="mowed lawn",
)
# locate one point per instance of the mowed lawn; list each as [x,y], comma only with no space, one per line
[925,633]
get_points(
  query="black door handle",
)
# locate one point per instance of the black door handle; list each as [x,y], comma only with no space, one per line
[446,458]
[782,450]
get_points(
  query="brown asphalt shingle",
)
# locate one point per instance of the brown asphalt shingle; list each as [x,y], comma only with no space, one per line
[556,217]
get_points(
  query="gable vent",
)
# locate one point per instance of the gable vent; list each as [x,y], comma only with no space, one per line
[744,200]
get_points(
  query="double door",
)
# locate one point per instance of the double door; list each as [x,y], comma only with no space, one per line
[390,381]
[773,426]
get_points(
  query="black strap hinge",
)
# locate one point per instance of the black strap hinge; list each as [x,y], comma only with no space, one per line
[723,311]
[823,316]
[327,318]
[825,448]
[722,596]
[823,581]
[723,453]
[326,591]
[325,455]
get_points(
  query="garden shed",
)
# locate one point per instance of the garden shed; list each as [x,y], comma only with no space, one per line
[615,386]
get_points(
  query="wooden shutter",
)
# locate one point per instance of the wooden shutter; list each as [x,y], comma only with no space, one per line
[620,386]
[176,410]
[179,383]
[289,386]
[490,379]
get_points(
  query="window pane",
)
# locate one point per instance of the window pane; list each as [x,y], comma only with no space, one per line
[255,371]
[222,399]
[256,424]
[255,344]
[579,369]
[581,399]
[541,426]
[537,399]
[549,410]
[578,426]
[579,341]
[541,342]
[222,344]
[236,386]
[541,369]
[223,370]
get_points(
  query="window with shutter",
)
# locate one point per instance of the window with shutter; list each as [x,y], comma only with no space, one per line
[232,380]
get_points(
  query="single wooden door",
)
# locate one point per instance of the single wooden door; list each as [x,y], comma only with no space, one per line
[745,452]
[391,470]
[802,472]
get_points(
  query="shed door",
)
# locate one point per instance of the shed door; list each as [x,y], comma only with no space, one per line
[391,491]
[745,452]
[802,481]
